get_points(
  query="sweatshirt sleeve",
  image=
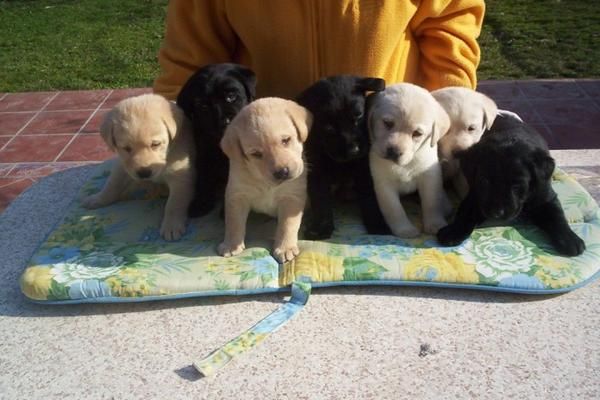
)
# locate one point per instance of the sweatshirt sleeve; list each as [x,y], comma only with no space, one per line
[197,33]
[447,32]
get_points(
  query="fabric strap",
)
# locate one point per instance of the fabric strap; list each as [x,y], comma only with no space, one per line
[253,336]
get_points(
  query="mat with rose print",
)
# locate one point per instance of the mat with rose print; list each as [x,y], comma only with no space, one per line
[115,254]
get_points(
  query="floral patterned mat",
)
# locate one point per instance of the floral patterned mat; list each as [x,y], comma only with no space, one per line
[116,254]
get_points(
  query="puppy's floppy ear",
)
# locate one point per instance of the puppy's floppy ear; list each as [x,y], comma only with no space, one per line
[441,124]
[106,130]
[490,110]
[543,165]
[248,78]
[230,143]
[370,84]
[173,119]
[185,98]
[370,107]
[302,120]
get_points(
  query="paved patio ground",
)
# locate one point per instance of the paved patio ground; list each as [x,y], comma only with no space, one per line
[356,343]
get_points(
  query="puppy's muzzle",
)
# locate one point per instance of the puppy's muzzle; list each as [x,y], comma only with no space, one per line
[282,174]
[144,173]
[392,154]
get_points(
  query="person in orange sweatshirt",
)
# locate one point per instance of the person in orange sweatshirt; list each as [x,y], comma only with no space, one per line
[290,44]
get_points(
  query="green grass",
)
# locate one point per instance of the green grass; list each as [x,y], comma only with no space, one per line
[540,39]
[82,44]
[90,44]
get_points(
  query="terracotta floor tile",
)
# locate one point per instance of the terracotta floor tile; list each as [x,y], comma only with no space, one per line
[52,122]
[570,137]
[11,122]
[521,107]
[39,170]
[10,189]
[4,140]
[93,125]
[120,94]
[5,169]
[583,113]
[33,101]
[34,148]
[78,100]
[500,90]
[87,148]
[551,89]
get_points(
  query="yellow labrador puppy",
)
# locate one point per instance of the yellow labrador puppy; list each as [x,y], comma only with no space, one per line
[471,114]
[264,144]
[405,124]
[154,143]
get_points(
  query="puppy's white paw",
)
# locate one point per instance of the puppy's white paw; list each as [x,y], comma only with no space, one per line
[228,250]
[172,228]
[433,225]
[93,201]
[285,253]
[406,231]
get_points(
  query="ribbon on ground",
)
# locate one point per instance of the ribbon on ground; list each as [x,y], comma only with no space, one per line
[259,332]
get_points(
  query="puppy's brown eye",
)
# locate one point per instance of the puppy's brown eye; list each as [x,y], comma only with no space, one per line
[230,97]
[417,134]
[127,149]
[155,144]
[286,141]
[471,128]
[388,123]
[256,154]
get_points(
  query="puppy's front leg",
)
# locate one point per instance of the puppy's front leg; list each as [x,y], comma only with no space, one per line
[434,202]
[237,209]
[320,225]
[176,210]
[550,217]
[367,200]
[467,218]
[393,212]
[289,217]
[460,185]
[112,190]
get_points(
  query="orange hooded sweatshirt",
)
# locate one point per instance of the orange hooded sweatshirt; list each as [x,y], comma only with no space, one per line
[291,43]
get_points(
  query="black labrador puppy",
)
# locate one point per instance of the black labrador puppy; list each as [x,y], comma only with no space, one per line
[509,174]
[211,97]
[337,149]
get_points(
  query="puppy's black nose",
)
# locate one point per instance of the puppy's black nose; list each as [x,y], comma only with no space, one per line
[144,173]
[392,153]
[282,174]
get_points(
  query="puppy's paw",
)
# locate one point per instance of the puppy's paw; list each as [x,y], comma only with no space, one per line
[406,231]
[172,228]
[433,225]
[93,201]
[285,253]
[569,244]
[451,235]
[229,249]
[318,231]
